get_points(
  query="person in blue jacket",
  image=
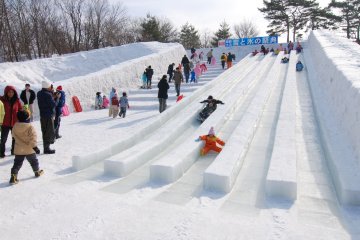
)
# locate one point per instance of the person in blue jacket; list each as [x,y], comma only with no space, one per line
[58,110]
[299,66]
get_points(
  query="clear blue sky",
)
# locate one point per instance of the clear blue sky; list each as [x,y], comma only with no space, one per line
[200,13]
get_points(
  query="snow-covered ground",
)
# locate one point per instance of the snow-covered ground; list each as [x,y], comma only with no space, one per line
[149,182]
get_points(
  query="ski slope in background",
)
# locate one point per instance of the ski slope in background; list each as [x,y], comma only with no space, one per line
[141,177]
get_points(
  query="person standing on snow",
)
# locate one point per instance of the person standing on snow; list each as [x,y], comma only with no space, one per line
[47,104]
[124,103]
[58,110]
[163,93]
[209,56]
[211,142]
[229,60]
[98,101]
[11,106]
[114,105]
[178,79]
[111,95]
[170,71]
[223,60]
[149,74]
[25,146]
[28,97]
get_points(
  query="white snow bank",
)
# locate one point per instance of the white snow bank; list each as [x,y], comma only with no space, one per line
[85,73]
[336,97]
[337,61]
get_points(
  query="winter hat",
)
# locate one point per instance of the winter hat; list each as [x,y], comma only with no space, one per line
[45,84]
[59,88]
[212,132]
[23,116]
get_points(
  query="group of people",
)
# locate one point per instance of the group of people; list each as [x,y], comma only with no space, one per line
[147,77]
[228,59]
[16,117]
[116,105]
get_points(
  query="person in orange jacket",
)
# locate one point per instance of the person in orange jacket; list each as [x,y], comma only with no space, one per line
[210,142]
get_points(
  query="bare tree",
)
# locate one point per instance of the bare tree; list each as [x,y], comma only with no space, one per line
[246,29]
[205,39]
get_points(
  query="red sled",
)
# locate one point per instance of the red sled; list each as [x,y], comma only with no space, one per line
[65,110]
[179,98]
[77,104]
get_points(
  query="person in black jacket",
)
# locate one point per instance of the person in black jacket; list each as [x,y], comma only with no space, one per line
[170,71]
[58,110]
[163,93]
[28,97]
[149,73]
[211,105]
[47,104]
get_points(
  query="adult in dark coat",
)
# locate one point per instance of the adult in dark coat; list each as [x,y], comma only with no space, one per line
[170,71]
[163,93]
[47,104]
[28,97]
[11,106]
[149,73]
[58,110]
[186,64]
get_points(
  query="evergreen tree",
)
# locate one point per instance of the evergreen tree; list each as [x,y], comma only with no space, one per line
[287,14]
[348,14]
[154,29]
[189,37]
[222,33]
[323,18]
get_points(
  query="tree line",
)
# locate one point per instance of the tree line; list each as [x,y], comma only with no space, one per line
[31,29]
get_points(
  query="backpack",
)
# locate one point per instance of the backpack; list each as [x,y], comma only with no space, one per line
[115,101]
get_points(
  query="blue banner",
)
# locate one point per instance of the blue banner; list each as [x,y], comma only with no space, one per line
[251,41]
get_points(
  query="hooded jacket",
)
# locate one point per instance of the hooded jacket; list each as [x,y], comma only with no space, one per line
[11,107]
[25,138]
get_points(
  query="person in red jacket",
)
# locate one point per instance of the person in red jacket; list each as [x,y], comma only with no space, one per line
[211,142]
[11,105]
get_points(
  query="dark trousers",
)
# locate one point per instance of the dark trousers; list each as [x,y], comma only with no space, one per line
[48,131]
[162,104]
[19,159]
[170,76]
[122,111]
[209,60]
[4,135]
[223,64]
[148,83]
[187,76]
[57,122]
[177,88]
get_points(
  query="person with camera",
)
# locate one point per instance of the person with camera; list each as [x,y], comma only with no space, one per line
[47,103]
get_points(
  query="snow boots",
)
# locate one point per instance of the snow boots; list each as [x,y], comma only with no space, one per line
[47,149]
[13,179]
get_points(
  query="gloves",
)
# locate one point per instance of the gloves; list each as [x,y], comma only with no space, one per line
[197,140]
[37,150]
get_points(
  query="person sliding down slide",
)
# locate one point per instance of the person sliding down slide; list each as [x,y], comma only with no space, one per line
[210,142]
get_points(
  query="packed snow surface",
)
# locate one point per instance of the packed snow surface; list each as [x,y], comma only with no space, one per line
[160,187]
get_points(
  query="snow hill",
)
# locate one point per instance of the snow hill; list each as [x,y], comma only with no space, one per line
[289,169]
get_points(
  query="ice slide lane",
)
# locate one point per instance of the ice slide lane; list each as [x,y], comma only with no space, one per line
[222,173]
[340,159]
[173,166]
[281,177]
[248,196]
[83,161]
[317,203]
[125,162]
[190,184]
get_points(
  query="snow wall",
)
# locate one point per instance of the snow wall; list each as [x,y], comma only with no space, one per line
[85,73]
[339,79]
